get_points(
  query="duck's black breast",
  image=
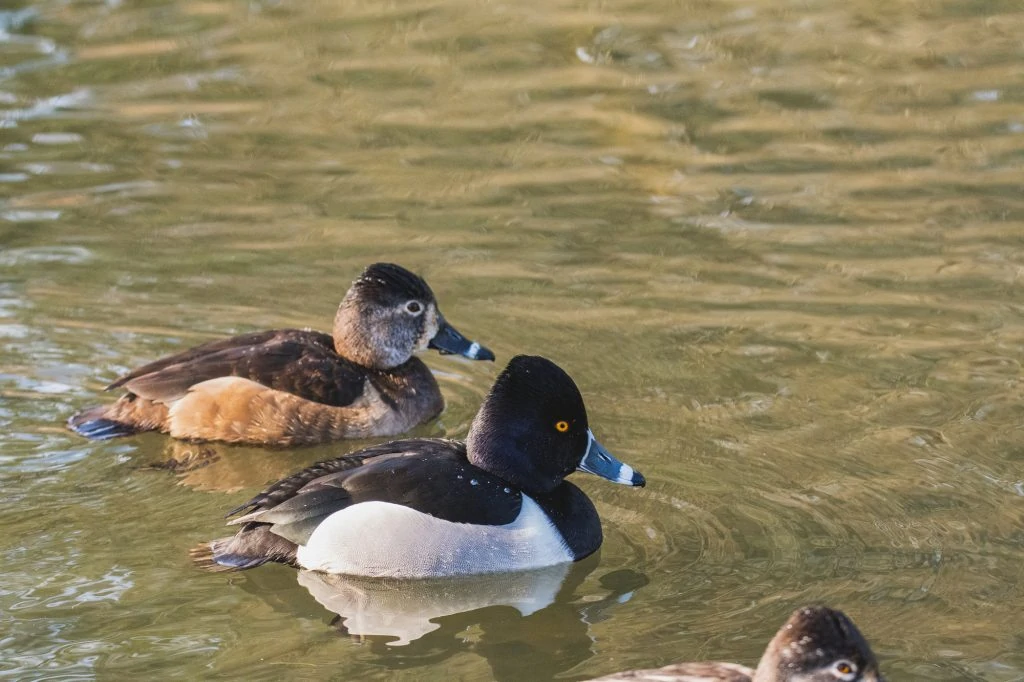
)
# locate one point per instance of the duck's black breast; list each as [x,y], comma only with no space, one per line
[575,518]
[303,363]
[431,476]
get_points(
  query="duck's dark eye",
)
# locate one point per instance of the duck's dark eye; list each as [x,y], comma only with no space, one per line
[562,426]
[414,307]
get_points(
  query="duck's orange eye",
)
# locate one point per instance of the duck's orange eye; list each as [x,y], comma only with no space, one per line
[562,426]
[844,668]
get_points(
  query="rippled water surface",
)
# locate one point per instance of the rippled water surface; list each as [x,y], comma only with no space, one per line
[777,244]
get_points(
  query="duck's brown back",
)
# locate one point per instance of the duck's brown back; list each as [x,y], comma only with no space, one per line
[295,361]
[686,672]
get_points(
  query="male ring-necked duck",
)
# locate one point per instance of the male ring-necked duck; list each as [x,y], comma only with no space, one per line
[421,508]
[298,387]
[817,644]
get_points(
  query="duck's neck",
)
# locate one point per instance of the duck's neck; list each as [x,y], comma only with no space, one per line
[768,667]
[411,389]
[499,453]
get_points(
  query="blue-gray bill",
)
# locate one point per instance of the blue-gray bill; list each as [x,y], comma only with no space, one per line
[450,342]
[600,462]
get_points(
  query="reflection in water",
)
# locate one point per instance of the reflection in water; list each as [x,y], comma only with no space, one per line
[219,467]
[405,609]
[225,468]
[540,618]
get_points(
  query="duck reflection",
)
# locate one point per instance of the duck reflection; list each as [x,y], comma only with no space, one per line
[222,468]
[406,609]
[527,625]
[214,467]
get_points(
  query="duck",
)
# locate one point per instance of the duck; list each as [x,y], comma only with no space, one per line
[816,644]
[290,387]
[497,502]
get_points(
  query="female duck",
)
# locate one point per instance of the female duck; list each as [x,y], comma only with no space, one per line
[298,387]
[422,508]
[817,644]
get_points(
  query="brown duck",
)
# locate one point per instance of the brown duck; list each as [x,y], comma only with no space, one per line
[298,387]
[816,644]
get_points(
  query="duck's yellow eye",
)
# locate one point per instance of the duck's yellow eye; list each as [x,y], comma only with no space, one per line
[844,668]
[562,426]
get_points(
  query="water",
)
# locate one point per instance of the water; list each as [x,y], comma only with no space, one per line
[778,245]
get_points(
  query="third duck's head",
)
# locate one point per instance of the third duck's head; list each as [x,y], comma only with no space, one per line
[818,644]
[388,314]
[532,430]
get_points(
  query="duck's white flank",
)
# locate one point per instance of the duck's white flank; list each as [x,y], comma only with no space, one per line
[380,539]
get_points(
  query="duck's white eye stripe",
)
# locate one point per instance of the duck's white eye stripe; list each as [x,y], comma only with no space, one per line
[474,350]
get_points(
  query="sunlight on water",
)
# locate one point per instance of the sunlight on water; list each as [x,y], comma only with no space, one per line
[778,246]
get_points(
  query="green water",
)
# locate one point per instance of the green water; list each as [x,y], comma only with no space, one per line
[777,244]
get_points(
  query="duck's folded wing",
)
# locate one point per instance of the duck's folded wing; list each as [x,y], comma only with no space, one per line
[685,672]
[299,362]
[331,471]
[431,476]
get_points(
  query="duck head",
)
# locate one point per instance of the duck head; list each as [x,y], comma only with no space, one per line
[532,430]
[818,644]
[390,313]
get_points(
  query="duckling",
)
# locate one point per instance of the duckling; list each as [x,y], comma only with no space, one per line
[817,644]
[428,508]
[298,387]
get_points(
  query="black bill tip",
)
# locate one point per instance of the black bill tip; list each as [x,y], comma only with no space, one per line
[478,352]
[449,341]
[598,461]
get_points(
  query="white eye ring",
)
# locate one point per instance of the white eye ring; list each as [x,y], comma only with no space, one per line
[414,307]
[851,670]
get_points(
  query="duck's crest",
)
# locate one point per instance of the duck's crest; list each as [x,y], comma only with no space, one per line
[388,277]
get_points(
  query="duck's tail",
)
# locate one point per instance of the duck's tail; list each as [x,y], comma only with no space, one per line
[250,547]
[95,424]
